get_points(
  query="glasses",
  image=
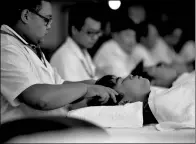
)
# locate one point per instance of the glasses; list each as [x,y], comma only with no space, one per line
[46,20]
[93,34]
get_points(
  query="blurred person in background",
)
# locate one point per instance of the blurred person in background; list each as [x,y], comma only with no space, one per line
[120,55]
[72,60]
[113,55]
[137,12]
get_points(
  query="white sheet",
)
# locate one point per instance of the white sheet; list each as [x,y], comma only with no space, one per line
[149,134]
[175,107]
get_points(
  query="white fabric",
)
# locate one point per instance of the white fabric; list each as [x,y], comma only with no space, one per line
[71,63]
[21,68]
[111,59]
[140,53]
[128,116]
[188,51]
[175,108]
[161,52]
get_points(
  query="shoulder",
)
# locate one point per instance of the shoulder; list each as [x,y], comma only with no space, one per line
[109,46]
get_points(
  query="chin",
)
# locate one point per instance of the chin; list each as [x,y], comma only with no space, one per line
[41,41]
[147,84]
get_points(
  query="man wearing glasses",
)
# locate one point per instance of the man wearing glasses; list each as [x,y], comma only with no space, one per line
[29,85]
[72,59]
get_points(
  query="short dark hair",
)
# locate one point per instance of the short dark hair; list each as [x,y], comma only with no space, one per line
[17,7]
[79,13]
[107,81]
[142,30]
[120,23]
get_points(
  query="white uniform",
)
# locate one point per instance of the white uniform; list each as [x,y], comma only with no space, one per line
[111,59]
[20,69]
[72,64]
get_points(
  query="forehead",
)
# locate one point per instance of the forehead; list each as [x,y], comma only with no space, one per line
[46,8]
[92,24]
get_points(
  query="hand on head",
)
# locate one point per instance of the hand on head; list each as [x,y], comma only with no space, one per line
[130,89]
[104,93]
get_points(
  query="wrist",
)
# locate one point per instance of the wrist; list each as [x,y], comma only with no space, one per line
[86,90]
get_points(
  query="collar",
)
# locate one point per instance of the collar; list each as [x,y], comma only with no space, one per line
[76,49]
[11,31]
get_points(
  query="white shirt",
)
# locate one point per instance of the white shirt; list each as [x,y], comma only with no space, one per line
[111,59]
[162,52]
[71,63]
[140,53]
[21,68]
[188,51]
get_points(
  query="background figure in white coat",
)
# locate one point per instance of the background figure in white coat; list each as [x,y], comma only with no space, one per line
[113,57]
[72,59]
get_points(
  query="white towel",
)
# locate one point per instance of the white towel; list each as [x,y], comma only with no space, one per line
[174,108]
[122,116]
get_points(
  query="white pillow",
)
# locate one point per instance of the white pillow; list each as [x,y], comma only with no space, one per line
[129,115]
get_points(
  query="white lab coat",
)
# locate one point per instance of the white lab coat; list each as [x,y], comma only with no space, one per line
[111,59]
[71,63]
[20,69]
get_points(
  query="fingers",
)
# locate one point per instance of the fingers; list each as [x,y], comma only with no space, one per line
[110,93]
[104,98]
[103,92]
[113,94]
[123,102]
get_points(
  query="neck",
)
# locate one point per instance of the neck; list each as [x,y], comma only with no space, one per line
[82,48]
[20,30]
[122,45]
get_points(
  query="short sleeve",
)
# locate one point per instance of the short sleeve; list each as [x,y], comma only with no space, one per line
[58,79]
[17,73]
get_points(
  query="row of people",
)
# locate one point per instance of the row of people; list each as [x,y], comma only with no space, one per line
[29,84]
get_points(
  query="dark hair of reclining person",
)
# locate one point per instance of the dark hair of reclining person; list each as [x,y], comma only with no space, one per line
[131,89]
[42,125]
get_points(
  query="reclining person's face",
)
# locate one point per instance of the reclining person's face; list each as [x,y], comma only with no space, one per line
[133,88]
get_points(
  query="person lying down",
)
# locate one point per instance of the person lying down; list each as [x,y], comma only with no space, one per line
[137,105]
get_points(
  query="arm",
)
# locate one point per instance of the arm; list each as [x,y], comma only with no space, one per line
[48,97]
[20,82]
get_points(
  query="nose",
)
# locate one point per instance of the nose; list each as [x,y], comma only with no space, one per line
[95,37]
[48,27]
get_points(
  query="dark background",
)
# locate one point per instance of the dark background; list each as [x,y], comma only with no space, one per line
[179,13]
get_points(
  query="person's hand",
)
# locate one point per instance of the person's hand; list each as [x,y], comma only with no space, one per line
[103,92]
[123,102]
[162,75]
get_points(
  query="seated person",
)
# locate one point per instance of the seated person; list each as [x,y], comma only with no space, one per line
[114,54]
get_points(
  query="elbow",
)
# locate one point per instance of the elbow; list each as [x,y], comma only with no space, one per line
[44,104]
[41,105]
[35,103]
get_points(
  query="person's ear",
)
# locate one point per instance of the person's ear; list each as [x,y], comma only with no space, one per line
[25,16]
[73,30]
